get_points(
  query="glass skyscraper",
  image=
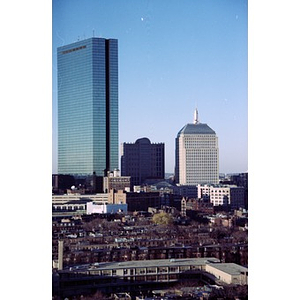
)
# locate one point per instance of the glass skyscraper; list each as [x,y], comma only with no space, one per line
[88,134]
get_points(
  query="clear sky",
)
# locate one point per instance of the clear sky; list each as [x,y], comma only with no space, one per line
[173,56]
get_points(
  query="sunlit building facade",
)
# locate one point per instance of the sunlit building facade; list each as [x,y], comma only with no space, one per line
[88,135]
[196,154]
[219,194]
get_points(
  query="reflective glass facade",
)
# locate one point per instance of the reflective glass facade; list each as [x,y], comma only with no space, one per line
[88,107]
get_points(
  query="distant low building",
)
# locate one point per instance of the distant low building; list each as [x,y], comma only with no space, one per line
[198,205]
[93,208]
[189,191]
[81,207]
[131,276]
[62,182]
[111,197]
[72,207]
[78,204]
[114,181]
[142,201]
[223,195]
[240,179]
[229,273]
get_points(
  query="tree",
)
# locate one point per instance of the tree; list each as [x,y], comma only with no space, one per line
[162,218]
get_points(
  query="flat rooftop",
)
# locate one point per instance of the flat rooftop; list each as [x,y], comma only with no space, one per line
[146,264]
[230,268]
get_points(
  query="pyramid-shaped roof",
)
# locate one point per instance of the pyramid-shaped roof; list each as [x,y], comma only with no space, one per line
[199,128]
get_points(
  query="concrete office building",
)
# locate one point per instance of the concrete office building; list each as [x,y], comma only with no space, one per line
[132,276]
[88,137]
[196,154]
[141,276]
[111,197]
[223,195]
[143,160]
[111,202]
[229,273]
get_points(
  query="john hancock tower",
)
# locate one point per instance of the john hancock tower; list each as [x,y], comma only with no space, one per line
[88,134]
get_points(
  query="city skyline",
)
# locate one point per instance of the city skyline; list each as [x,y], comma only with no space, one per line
[173,57]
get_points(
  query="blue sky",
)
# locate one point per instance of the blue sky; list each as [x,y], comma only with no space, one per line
[173,56]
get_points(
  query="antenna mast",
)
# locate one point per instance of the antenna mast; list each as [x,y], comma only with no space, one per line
[196,121]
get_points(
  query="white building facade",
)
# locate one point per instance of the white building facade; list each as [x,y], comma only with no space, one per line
[92,208]
[229,273]
[197,154]
[111,197]
[223,195]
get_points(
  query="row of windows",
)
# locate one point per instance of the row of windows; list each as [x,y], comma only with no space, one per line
[74,49]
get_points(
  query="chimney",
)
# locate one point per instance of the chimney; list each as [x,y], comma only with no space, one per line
[60,254]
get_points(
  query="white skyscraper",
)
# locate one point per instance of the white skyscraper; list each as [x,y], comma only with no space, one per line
[196,154]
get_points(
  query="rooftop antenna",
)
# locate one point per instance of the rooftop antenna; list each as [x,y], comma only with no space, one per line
[196,121]
[93,32]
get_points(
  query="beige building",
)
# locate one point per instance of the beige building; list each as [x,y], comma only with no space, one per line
[112,197]
[196,154]
[114,181]
[116,197]
[57,199]
[229,273]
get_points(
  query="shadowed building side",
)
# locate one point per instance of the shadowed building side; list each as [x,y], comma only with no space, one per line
[143,160]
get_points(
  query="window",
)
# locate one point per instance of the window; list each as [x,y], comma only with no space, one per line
[74,49]
[173,269]
[140,271]
[162,269]
[151,270]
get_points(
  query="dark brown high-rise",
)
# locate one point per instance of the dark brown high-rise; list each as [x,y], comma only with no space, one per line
[143,160]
